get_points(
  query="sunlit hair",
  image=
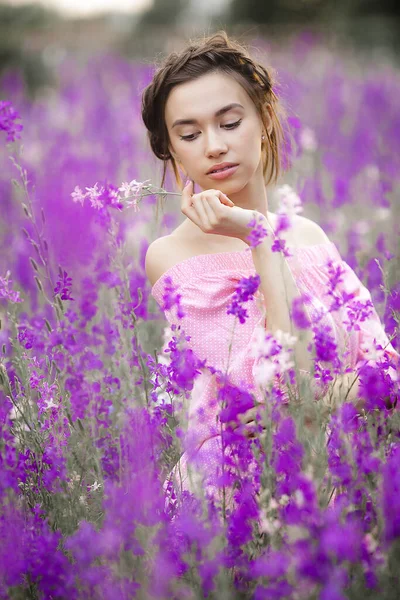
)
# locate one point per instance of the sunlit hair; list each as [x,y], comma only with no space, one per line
[217,52]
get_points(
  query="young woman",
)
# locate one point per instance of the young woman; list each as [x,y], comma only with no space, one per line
[212,113]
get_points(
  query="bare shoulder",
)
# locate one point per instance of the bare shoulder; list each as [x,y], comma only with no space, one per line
[157,257]
[161,255]
[309,232]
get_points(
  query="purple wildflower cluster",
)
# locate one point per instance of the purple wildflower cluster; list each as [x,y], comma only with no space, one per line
[63,286]
[6,293]
[258,231]
[244,292]
[171,298]
[8,118]
[289,205]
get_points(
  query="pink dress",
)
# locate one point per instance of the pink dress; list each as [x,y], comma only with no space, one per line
[206,283]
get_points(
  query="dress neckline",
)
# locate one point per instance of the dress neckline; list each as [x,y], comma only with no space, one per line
[308,249]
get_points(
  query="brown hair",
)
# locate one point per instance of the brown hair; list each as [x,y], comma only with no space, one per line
[215,53]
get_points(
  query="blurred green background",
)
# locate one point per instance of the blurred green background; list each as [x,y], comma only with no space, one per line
[35,37]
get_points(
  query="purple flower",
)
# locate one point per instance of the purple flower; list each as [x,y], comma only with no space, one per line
[258,231]
[238,402]
[299,315]
[240,527]
[243,293]
[279,245]
[283,223]
[63,286]
[335,279]
[272,564]
[171,298]
[8,116]
[325,345]
[338,457]
[26,337]
[375,386]
[343,541]
[357,311]
[184,365]
[391,497]
[6,292]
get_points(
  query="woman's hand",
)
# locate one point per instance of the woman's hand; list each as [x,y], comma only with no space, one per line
[250,423]
[214,212]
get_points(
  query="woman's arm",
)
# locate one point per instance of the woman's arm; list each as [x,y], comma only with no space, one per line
[279,289]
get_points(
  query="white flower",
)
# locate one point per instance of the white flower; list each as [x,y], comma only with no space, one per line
[263,343]
[308,140]
[382,214]
[130,188]
[285,339]
[78,195]
[370,349]
[95,486]
[370,543]
[134,190]
[50,404]
[284,500]
[264,372]
[273,354]
[372,172]
[269,526]
[272,504]
[289,202]
[114,196]
[285,361]
[362,227]
[94,193]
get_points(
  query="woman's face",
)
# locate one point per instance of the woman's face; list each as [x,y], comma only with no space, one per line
[206,138]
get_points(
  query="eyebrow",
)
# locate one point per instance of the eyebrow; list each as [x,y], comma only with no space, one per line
[219,112]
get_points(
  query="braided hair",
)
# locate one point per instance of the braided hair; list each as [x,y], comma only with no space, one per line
[214,53]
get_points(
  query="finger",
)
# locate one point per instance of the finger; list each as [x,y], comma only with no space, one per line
[223,198]
[229,200]
[187,207]
[208,209]
[186,198]
[201,212]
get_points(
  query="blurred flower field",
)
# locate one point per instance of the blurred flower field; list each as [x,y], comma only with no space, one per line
[93,384]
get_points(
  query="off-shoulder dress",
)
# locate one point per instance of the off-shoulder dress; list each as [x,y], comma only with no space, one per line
[206,284]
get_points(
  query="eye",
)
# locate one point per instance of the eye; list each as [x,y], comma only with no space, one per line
[229,126]
[233,125]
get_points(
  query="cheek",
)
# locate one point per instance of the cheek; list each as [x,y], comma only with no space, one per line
[186,153]
[250,144]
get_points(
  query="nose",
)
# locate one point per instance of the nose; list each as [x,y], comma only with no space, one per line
[215,144]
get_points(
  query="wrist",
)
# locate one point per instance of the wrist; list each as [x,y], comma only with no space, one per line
[259,231]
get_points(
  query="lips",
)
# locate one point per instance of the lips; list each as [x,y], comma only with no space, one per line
[224,173]
[221,167]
